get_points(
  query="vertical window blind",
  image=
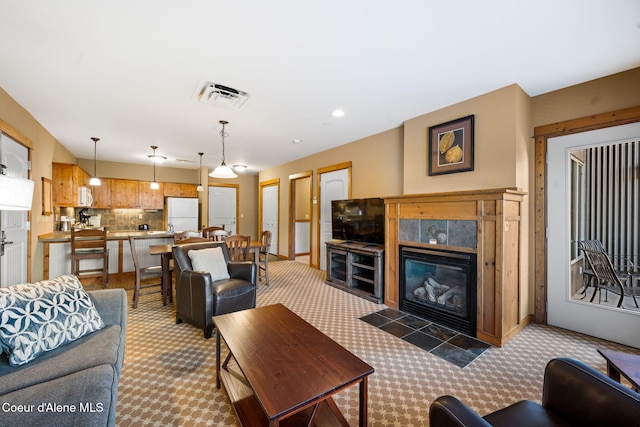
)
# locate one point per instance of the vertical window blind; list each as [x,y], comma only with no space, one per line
[612,174]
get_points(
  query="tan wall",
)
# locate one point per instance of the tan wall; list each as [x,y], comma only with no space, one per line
[503,157]
[496,143]
[303,195]
[139,172]
[376,172]
[614,92]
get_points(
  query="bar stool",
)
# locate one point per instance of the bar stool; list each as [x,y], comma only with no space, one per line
[90,244]
[263,256]
[153,271]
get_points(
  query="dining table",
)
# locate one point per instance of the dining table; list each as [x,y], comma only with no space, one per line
[166,254]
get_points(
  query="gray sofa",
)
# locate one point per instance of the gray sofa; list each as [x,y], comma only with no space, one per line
[73,385]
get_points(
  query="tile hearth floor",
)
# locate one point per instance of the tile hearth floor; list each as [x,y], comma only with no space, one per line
[445,343]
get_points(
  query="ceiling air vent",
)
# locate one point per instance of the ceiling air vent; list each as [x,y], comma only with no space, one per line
[221,95]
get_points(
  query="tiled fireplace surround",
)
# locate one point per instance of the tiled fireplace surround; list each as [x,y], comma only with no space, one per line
[484,222]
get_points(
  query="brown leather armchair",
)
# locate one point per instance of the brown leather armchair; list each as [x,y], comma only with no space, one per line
[573,394]
[199,298]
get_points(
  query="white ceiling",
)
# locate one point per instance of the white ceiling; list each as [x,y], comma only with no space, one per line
[126,70]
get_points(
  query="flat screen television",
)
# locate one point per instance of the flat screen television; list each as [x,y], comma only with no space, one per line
[358,220]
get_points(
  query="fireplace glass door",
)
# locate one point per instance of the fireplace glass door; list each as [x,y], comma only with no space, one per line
[439,286]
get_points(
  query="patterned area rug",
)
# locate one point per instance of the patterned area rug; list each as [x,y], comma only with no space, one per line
[168,377]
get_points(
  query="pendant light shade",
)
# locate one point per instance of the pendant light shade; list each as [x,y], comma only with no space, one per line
[154,185]
[223,171]
[94,181]
[199,187]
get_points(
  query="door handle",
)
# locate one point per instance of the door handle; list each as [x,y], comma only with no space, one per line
[3,241]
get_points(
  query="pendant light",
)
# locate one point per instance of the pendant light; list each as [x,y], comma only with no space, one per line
[154,185]
[94,181]
[199,187]
[223,171]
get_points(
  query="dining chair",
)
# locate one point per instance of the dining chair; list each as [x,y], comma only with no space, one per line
[206,232]
[90,244]
[238,246]
[188,240]
[218,235]
[141,273]
[263,256]
[177,237]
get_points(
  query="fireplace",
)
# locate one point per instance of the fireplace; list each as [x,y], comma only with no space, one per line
[439,286]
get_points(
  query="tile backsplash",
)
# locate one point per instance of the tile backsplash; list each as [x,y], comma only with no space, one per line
[117,219]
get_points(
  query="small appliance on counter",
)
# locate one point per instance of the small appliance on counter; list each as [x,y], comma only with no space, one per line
[94,220]
[84,216]
[143,227]
[66,222]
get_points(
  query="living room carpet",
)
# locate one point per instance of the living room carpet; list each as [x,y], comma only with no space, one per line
[168,378]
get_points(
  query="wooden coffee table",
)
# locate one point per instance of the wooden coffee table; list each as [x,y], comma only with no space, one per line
[285,370]
[625,364]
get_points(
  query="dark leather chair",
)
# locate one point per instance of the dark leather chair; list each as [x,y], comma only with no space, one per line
[573,394]
[199,298]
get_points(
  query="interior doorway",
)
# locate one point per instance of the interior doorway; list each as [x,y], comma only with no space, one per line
[334,184]
[269,211]
[300,212]
[223,207]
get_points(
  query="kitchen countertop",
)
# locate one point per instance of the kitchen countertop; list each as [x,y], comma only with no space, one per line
[65,236]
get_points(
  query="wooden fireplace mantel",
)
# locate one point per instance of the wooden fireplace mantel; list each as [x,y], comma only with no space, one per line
[498,216]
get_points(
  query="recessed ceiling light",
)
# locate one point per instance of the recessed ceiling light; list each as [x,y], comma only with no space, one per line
[240,168]
[296,141]
[337,113]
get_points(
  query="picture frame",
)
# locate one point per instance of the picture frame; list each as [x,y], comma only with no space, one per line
[451,146]
[47,208]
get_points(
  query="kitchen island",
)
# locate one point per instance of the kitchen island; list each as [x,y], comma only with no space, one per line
[57,250]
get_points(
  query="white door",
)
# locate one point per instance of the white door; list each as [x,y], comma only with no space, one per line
[333,186]
[14,224]
[222,208]
[601,321]
[270,214]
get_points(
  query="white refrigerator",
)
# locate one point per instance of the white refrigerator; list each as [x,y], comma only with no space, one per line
[182,213]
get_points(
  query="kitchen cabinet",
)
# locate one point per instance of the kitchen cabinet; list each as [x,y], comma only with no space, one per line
[112,193]
[148,198]
[66,178]
[174,189]
[124,193]
[102,194]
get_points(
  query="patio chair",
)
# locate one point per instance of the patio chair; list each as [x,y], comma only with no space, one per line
[607,277]
[621,264]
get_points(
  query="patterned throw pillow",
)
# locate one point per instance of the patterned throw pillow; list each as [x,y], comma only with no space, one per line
[211,260]
[39,317]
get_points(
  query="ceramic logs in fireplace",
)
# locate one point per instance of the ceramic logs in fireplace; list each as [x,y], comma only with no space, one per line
[439,286]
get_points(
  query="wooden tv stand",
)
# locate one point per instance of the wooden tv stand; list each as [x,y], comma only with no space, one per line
[356,267]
